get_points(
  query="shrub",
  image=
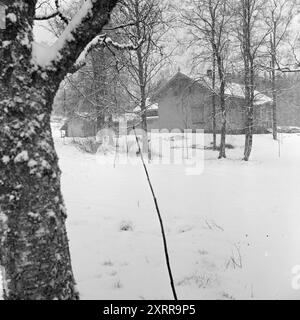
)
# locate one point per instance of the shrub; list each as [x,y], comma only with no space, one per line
[126,226]
[87,145]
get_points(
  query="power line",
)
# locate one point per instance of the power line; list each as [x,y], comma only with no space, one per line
[159,217]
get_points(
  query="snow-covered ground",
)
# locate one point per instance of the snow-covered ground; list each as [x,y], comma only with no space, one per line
[233,231]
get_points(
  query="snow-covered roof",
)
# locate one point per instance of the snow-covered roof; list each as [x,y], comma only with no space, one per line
[238,91]
[64,127]
[152,117]
[232,89]
[124,117]
[135,114]
[85,115]
[149,106]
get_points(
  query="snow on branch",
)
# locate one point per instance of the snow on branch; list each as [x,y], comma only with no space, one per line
[44,56]
[58,12]
[288,69]
[284,69]
[46,17]
[80,31]
[102,40]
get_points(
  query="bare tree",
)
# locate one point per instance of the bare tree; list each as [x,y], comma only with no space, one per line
[146,30]
[278,15]
[251,38]
[209,22]
[98,87]
[34,245]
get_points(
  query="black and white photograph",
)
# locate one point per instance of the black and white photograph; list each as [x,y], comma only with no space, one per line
[150,151]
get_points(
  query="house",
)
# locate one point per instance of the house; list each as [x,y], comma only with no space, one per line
[184,103]
[79,125]
[152,114]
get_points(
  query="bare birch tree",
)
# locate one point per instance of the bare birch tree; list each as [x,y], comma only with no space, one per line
[34,246]
[146,29]
[209,22]
[251,39]
[278,15]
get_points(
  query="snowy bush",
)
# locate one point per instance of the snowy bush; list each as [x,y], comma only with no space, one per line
[118,285]
[126,226]
[203,281]
[88,145]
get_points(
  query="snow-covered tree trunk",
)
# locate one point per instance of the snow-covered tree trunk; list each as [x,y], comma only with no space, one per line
[34,247]
[274,94]
[222,153]
[249,77]
[142,80]
[214,104]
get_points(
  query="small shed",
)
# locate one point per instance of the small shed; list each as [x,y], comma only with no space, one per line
[79,126]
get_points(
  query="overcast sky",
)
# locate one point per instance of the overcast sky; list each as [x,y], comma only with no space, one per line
[181,59]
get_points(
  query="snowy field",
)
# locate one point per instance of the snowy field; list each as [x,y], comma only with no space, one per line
[233,231]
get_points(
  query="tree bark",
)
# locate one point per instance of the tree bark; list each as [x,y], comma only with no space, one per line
[214,122]
[34,247]
[274,106]
[222,153]
[249,78]
[274,86]
[142,84]
[218,62]
[249,83]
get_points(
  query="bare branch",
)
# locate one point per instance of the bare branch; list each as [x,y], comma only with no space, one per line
[57,13]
